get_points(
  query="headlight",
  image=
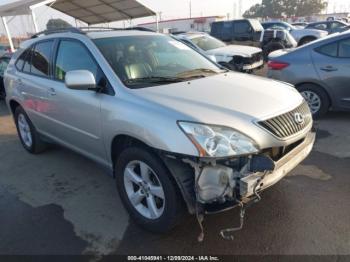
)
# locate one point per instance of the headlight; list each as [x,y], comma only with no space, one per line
[218,141]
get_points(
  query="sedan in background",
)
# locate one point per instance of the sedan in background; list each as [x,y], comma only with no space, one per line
[4,61]
[234,57]
[330,26]
[319,70]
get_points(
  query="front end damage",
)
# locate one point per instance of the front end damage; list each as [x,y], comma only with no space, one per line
[214,185]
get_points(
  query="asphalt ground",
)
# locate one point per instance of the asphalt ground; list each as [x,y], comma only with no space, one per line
[59,202]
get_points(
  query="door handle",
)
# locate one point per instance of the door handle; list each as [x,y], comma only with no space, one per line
[329,69]
[52,92]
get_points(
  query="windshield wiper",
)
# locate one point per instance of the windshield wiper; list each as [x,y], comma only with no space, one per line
[154,79]
[198,72]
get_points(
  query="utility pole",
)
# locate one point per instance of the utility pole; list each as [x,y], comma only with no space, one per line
[190,9]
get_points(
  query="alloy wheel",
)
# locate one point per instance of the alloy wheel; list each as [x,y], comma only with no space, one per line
[24,130]
[313,100]
[144,189]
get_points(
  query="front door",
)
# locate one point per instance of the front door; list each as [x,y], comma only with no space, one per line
[75,115]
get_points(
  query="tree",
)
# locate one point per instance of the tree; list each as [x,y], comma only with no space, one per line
[57,24]
[285,8]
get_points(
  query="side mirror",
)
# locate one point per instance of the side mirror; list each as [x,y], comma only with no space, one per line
[80,80]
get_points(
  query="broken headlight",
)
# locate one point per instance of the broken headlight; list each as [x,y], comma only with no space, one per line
[218,141]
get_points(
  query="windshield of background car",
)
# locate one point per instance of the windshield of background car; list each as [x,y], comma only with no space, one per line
[148,60]
[207,42]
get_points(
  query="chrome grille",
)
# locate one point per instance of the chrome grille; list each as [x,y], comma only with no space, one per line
[286,125]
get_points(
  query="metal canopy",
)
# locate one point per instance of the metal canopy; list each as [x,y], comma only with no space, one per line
[16,7]
[102,11]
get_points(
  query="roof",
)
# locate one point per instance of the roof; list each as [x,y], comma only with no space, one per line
[16,7]
[102,11]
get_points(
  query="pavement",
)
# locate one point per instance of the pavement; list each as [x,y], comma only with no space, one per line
[59,202]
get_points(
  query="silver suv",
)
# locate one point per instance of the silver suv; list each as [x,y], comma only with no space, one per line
[174,129]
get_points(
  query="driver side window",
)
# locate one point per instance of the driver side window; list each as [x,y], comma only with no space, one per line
[72,55]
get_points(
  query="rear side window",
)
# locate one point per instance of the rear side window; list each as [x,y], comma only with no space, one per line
[41,59]
[72,55]
[20,61]
[28,62]
[344,48]
[242,27]
[329,49]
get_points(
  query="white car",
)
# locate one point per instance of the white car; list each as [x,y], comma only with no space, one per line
[234,57]
[301,35]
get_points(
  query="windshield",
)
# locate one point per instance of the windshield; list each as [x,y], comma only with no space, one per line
[207,42]
[148,60]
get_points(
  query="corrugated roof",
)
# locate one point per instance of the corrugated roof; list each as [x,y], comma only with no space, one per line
[102,11]
[16,7]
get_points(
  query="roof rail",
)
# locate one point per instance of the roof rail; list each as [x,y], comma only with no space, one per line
[83,30]
[58,30]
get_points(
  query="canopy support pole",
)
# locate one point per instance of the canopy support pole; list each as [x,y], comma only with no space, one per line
[8,33]
[34,22]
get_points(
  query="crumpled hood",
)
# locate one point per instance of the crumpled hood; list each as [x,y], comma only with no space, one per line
[231,50]
[224,97]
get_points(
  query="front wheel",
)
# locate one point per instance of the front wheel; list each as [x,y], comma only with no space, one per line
[147,191]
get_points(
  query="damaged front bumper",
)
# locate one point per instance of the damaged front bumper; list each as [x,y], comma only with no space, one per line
[282,167]
[221,184]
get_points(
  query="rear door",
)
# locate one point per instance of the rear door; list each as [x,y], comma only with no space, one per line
[33,79]
[332,62]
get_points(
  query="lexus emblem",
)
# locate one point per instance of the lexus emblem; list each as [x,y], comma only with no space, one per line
[299,118]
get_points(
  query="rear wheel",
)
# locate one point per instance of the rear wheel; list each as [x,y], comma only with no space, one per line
[147,191]
[27,133]
[316,98]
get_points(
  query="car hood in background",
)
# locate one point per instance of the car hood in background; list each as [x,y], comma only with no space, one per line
[222,98]
[280,52]
[233,50]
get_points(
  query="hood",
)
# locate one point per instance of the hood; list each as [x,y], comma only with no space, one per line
[232,50]
[217,99]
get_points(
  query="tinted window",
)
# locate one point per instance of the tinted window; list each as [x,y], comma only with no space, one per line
[41,58]
[336,25]
[28,62]
[344,48]
[72,55]
[21,59]
[330,49]
[320,26]
[242,27]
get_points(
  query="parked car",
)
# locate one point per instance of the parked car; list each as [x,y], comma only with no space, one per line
[250,32]
[330,26]
[172,127]
[4,61]
[234,57]
[302,36]
[320,71]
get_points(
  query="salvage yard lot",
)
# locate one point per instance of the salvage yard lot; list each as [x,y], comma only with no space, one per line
[61,203]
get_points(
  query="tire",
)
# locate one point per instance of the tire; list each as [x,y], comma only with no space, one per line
[312,93]
[306,40]
[32,141]
[271,47]
[170,207]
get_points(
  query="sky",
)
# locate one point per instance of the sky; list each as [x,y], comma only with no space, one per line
[169,9]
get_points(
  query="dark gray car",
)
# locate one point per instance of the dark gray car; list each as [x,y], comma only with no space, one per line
[319,70]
